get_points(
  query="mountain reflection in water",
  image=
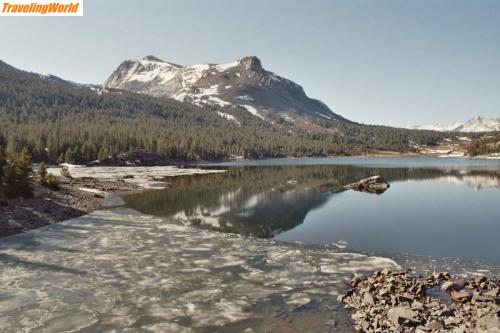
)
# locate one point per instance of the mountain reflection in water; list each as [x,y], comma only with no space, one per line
[263,201]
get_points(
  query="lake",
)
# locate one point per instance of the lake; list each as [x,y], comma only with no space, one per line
[440,207]
[119,270]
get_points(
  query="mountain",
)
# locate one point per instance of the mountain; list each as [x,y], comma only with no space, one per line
[62,121]
[244,83]
[477,124]
[4,66]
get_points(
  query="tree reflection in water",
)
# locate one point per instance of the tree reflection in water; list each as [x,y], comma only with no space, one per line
[263,201]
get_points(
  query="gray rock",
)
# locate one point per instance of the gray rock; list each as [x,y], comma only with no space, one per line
[435,325]
[490,322]
[398,302]
[461,296]
[374,184]
[451,321]
[479,278]
[365,325]
[402,314]
[453,285]
[416,305]
[368,298]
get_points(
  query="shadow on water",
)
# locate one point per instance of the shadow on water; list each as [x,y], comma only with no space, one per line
[11,260]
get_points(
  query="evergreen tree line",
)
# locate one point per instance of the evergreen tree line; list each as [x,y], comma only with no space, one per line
[488,145]
[58,121]
[15,172]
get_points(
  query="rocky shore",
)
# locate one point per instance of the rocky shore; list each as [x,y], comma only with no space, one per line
[81,194]
[398,301]
[76,197]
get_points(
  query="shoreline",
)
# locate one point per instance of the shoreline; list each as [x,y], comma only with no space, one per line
[86,192]
[75,198]
[221,280]
[397,301]
[182,164]
[105,228]
[306,279]
[381,154]
[81,195]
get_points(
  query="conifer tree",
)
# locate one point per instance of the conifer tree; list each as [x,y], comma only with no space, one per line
[19,175]
[25,171]
[11,189]
[43,174]
[3,159]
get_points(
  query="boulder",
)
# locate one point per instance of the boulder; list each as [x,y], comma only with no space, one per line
[435,325]
[374,184]
[453,285]
[461,296]
[416,305]
[479,278]
[369,299]
[400,315]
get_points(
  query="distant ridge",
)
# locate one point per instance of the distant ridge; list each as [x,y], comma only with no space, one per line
[477,124]
[4,66]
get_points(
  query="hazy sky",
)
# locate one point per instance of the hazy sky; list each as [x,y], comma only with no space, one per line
[393,62]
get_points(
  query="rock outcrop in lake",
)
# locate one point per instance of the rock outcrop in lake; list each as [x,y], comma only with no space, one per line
[374,184]
[400,302]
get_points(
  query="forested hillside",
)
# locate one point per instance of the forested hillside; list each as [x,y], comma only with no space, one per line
[488,145]
[59,121]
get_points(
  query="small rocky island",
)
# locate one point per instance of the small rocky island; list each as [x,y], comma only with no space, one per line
[401,302]
[375,184]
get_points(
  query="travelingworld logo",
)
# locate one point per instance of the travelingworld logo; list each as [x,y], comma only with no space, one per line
[41,8]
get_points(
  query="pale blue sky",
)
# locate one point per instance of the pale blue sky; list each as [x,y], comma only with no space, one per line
[385,62]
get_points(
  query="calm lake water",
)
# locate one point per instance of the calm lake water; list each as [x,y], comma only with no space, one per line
[436,207]
[117,270]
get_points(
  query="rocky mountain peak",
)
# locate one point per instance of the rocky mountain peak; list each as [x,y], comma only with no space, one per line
[152,58]
[251,63]
[242,83]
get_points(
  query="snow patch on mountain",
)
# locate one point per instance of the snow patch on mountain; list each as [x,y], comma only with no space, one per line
[225,67]
[192,74]
[252,110]
[245,98]
[153,70]
[228,116]
[324,116]
[202,96]
[147,70]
